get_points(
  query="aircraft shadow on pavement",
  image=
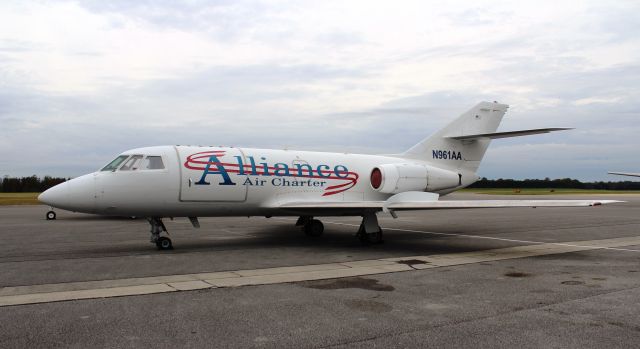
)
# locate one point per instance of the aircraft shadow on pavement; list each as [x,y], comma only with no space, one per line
[287,236]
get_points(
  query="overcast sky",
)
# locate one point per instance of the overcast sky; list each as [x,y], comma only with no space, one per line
[83,81]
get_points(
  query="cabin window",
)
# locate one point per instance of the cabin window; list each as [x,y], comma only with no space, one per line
[153,163]
[132,164]
[113,165]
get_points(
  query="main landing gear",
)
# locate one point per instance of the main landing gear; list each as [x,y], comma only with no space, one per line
[369,231]
[311,227]
[157,227]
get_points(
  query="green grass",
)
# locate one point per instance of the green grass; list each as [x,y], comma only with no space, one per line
[524,191]
[19,199]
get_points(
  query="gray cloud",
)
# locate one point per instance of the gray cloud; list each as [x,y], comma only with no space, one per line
[547,81]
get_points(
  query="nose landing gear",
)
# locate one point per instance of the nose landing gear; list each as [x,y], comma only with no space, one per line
[51,215]
[157,227]
[164,243]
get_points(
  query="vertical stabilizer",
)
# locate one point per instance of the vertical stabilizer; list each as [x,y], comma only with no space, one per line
[461,154]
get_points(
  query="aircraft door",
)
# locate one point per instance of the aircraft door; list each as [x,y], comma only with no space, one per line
[211,174]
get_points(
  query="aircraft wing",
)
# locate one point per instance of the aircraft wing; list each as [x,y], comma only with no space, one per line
[428,201]
[625,174]
[460,204]
[496,135]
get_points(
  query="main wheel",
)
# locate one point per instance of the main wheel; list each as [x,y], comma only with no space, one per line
[164,243]
[379,237]
[51,215]
[362,236]
[367,238]
[314,228]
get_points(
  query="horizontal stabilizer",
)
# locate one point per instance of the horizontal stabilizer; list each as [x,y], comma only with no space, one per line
[496,135]
[625,174]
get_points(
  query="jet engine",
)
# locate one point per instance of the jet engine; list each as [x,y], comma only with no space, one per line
[398,178]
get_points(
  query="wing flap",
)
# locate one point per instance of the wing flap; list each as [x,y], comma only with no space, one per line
[303,205]
[466,204]
[440,204]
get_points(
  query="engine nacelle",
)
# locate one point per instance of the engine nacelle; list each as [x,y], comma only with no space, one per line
[399,178]
[440,179]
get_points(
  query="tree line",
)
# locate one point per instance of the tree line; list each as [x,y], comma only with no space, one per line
[29,184]
[40,184]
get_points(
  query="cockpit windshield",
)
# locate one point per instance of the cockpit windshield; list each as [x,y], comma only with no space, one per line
[113,165]
[132,164]
[135,163]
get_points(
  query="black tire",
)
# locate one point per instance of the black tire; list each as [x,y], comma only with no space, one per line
[314,228]
[379,237]
[51,215]
[164,243]
[363,236]
[368,238]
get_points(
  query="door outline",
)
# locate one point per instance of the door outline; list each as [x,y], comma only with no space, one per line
[182,176]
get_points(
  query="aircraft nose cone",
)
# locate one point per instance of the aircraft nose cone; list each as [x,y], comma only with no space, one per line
[77,194]
[48,197]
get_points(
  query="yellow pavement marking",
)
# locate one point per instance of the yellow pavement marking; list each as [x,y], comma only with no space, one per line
[19,295]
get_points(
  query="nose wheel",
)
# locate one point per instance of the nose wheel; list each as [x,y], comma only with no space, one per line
[157,228]
[50,216]
[164,243]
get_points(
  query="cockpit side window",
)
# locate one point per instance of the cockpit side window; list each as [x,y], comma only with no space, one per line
[132,164]
[113,165]
[153,163]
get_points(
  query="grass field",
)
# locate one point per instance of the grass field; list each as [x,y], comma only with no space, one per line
[19,198]
[509,191]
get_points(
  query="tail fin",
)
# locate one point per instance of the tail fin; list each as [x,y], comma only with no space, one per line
[472,130]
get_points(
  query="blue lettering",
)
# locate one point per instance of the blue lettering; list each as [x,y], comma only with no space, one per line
[221,171]
[320,171]
[254,170]
[301,171]
[341,171]
[266,167]
[240,165]
[446,154]
[281,169]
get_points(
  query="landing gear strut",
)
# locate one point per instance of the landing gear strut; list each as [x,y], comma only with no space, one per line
[370,231]
[157,227]
[311,227]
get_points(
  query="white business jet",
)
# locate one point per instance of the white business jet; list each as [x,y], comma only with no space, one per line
[195,181]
